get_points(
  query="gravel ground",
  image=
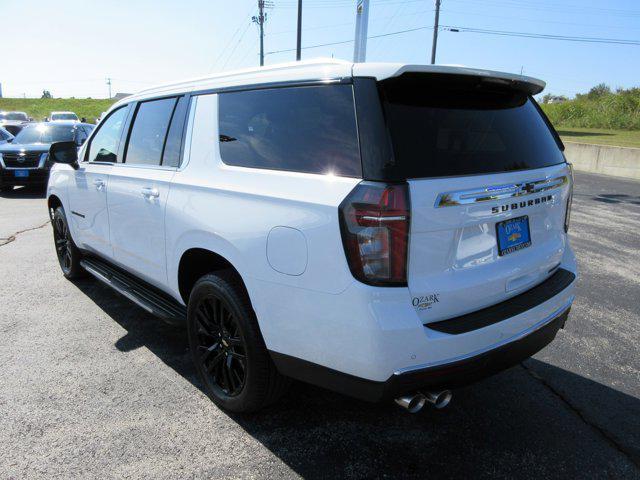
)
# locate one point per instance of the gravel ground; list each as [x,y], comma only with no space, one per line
[92,386]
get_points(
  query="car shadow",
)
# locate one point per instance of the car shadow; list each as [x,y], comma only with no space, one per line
[25,192]
[615,198]
[522,423]
[574,133]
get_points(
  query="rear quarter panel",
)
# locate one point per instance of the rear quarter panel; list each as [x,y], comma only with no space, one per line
[231,211]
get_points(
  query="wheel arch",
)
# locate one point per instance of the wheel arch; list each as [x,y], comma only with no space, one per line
[196,262]
[53,202]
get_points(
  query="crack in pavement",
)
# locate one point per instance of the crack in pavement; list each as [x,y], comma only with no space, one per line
[11,238]
[602,432]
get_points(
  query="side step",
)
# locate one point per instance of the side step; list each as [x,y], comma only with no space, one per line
[143,295]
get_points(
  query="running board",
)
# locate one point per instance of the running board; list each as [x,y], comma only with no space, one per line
[146,297]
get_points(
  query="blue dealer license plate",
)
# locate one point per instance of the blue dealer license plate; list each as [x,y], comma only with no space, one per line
[21,173]
[513,235]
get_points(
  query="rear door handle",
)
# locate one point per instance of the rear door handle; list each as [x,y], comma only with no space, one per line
[99,184]
[150,192]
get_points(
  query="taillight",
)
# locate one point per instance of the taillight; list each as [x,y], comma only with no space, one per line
[567,215]
[374,220]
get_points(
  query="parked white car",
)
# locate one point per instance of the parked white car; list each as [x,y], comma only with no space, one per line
[13,122]
[388,231]
[63,116]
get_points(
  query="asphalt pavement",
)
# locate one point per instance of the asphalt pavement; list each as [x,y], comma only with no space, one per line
[92,386]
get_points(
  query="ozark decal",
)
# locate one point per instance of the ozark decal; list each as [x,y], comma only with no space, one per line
[425,302]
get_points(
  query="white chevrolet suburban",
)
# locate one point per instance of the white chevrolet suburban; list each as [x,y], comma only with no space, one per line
[383,230]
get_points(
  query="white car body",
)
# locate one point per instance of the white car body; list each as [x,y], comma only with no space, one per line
[63,117]
[280,231]
[12,123]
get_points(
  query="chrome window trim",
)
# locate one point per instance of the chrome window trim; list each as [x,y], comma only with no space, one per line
[149,166]
[499,192]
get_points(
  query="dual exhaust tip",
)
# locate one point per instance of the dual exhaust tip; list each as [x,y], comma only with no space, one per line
[413,403]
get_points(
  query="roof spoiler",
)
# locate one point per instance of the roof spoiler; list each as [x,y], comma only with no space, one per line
[523,83]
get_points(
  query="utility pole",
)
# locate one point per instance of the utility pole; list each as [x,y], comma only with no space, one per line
[109,83]
[362,24]
[260,19]
[299,40]
[434,45]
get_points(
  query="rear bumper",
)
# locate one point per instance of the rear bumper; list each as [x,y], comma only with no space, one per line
[454,374]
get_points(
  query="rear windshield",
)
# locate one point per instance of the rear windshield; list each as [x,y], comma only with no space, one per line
[445,127]
[64,116]
[44,133]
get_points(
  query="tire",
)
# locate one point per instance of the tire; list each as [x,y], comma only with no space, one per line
[68,254]
[6,188]
[227,347]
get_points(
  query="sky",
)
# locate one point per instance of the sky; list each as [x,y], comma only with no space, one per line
[71,47]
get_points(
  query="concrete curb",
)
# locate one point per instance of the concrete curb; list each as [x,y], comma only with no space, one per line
[615,161]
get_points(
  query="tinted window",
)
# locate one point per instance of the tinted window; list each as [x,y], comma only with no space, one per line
[171,156]
[14,116]
[46,133]
[149,131]
[64,116]
[104,144]
[81,135]
[302,129]
[449,127]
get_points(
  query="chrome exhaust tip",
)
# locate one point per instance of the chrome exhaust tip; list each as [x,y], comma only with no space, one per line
[439,399]
[412,403]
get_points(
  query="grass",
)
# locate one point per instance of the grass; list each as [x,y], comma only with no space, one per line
[39,108]
[600,108]
[601,116]
[620,138]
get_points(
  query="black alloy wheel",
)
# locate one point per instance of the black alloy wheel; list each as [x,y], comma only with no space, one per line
[61,238]
[221,351]
[68,254]
[227,347]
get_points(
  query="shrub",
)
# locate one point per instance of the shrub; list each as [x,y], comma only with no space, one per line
[599,108]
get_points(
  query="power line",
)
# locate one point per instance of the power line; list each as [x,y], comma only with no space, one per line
[345,4]
[567,38]
[346,24]
[349,41]
[236,45]
[536,20]
[558,8]
[224,50]
[389,23]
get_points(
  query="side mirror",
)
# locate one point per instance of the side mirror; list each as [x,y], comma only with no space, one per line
[10,139]
[64,152]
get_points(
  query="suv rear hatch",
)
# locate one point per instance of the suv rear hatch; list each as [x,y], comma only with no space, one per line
[488,187]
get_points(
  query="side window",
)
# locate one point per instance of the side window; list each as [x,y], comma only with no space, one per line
[302,129]
[81,135]
[149,131]
[104,144]
[171,156]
